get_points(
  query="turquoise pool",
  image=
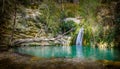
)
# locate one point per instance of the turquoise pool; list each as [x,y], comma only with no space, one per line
[84,52]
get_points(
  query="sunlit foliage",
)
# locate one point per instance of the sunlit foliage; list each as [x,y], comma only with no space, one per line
[98,23]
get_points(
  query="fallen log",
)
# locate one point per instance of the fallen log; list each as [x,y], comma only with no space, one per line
[28,40]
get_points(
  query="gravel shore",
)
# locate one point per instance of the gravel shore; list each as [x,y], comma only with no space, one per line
[12,60]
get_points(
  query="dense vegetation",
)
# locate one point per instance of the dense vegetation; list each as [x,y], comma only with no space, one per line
[45,18]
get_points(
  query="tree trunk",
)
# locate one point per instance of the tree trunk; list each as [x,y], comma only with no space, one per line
[14,23]
[20,41]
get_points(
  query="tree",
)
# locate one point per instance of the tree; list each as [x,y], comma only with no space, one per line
[14,23]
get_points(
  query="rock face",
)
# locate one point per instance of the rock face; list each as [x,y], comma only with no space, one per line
[76,20]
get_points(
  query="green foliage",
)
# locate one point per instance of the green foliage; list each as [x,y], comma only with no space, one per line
[74,35]
[50,16]
[98,27]
[88,12]
[88,8]
[66,26]
[70,10]
[53,15]
[98,24]
[7,9]
[6,5]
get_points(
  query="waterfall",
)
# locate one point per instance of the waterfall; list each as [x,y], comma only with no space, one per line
[80,37]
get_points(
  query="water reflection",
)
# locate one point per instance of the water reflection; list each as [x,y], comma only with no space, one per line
[79,52]
[71,52]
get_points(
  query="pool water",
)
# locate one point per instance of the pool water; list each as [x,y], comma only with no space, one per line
[84,52]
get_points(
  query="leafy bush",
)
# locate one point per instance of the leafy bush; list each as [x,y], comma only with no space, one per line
[99,29]
[66,26]
[50,16]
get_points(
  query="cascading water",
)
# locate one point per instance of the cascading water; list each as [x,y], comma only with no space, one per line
[80,37]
